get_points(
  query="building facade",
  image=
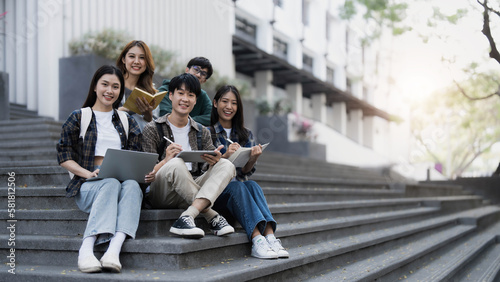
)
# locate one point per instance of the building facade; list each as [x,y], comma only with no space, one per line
[298,52]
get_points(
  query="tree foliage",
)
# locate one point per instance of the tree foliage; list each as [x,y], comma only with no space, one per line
[380,14]
[453,130]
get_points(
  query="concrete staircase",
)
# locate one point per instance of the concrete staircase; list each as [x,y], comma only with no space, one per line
[339,223]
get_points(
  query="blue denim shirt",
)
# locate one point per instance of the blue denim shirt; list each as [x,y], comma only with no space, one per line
[72,147]
[221,140]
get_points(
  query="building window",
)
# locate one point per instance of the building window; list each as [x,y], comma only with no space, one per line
[330,75]
[348,85]
[305,12]
[245,29]
[280,48]
[307,62]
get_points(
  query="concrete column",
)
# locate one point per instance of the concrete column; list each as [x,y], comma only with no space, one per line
[263,86]
[368,131]
[294,93]
[340,117]
[4,96]
[319,107]
[355,126]
[50,19]
[330,116]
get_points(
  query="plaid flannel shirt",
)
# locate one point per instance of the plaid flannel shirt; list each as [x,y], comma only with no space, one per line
[72,147]
[151,139]
[222,140]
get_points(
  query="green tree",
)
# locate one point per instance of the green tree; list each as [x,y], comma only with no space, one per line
[453,130]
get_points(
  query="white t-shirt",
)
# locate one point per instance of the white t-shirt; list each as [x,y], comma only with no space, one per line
[228,132]
[107,135]
[181,137]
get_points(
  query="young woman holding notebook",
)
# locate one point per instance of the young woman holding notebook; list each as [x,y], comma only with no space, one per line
[114,207]
[137,66]
[243,198]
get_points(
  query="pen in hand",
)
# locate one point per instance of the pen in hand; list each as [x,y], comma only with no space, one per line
[168,140]
[229,140]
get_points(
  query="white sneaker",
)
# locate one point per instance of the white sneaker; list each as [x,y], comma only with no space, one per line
[89,264]
[278,248]
[261,249]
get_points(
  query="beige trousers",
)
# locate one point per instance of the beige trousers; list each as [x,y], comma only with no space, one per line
[174,186]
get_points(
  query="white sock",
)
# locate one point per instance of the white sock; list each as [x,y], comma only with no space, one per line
[87,248]
[209,215]
[256,238]
[191,211]
[270,237]
[115,245]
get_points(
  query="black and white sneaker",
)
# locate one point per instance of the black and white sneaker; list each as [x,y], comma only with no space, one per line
[185,227]
[219,226]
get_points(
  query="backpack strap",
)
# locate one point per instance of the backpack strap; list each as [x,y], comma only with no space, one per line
[124,119]
[85,121]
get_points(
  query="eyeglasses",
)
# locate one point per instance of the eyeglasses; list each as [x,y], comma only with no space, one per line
[197,70]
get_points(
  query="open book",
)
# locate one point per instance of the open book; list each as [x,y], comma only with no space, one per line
[242,155]
[136,93]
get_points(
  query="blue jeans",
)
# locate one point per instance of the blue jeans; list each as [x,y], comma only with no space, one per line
[245,201]
[113,206]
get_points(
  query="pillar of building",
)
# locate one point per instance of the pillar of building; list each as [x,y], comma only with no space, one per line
[355,125]
[319,107]
[263,86]
[339,117]
[294,93]
[368,131]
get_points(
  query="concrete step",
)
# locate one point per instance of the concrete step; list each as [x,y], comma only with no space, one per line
[449,262]
[375,262]
[18,111]
[27,144]
[171,252]
[291,181]
[36,125]
[53,197]
[270,161]
[70,222]
[28,155]
[57,176]
[304,259]
[36,135]
[27,163]
[54,176]
[485,266]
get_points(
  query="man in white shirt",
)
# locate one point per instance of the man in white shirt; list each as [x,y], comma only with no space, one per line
[178,184]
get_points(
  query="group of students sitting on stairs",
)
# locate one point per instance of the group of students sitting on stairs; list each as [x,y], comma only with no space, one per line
[208,189]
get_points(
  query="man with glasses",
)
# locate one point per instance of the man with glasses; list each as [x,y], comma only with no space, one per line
[202,69]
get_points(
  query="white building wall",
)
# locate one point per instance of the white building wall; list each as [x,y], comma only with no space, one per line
[37,33]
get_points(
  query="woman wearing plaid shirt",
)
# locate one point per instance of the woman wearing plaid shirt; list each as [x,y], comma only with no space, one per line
[114,207]
[243,198]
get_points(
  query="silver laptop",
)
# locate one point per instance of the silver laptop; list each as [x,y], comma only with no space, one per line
[124,165]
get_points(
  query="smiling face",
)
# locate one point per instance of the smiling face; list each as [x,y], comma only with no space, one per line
[183,101]
[135,61]
[201,74]
[107,91]
[226,106]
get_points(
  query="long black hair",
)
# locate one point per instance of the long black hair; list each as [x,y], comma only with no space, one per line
[237,123]
[92,95]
